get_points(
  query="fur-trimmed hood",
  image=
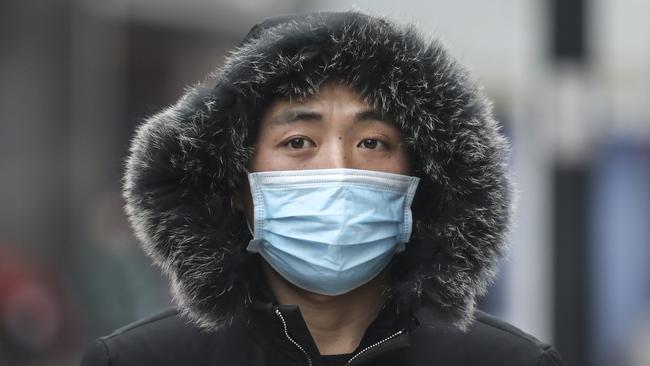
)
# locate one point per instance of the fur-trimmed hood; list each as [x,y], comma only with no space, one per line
[186,161]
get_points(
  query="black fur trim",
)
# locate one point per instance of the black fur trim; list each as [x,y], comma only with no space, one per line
[186,162]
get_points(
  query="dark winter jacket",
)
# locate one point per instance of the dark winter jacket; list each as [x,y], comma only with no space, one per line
[186,163]
[167,339]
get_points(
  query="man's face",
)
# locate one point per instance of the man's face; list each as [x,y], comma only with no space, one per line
[333,129]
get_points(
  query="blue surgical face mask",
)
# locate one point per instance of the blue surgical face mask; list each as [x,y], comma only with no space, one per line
[330,231]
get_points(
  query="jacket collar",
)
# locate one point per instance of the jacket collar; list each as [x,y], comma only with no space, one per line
[282,328]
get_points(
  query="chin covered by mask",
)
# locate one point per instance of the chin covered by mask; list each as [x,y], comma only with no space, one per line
[329,231]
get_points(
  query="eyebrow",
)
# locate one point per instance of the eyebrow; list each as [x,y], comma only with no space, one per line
[296,115]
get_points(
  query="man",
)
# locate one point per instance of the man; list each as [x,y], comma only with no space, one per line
[280,199]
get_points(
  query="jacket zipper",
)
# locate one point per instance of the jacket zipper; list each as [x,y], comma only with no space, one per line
[286,333]
[373,346]
[377,344]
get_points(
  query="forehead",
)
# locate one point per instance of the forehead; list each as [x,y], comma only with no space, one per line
[330,94]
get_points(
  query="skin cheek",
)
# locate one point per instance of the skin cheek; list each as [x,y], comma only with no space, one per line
[265,158]
[391,162]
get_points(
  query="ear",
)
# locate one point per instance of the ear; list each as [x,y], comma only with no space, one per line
[237,200]
[242,201]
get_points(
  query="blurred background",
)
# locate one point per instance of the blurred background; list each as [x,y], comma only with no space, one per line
[570,81]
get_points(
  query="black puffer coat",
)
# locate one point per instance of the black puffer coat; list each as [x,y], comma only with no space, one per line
[167,339]
[186,163]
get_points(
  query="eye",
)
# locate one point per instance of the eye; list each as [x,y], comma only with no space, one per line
[371,144]
[299,143]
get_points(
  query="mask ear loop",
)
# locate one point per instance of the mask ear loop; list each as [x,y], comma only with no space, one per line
[249,228]
[248,224]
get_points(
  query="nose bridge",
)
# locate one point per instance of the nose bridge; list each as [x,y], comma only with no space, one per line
[335,154]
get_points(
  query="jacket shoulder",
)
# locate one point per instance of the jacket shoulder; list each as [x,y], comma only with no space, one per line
[165,338]
[487,341]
